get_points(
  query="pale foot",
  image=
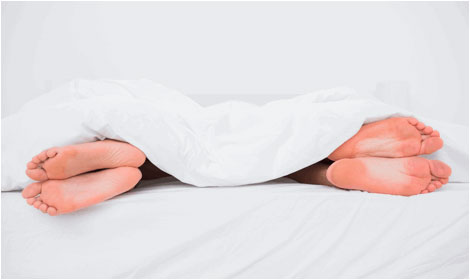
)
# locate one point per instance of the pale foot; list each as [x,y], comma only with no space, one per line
[68,161]
[394,137]
[399,176]
[57,197]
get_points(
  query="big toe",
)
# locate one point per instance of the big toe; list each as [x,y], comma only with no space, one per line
[439,169]
[32,190]
[431,144]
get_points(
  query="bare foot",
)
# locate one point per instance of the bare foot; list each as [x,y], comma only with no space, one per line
[64,196]
[68,161]
[399,176]
[394,137]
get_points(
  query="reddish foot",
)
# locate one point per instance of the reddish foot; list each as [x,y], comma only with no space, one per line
[68,161]
[394,137]
[399,176]
[64,196]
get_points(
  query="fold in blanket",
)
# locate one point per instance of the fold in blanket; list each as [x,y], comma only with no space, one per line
[231,143]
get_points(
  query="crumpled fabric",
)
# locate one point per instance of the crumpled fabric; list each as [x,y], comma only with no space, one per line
[227,144]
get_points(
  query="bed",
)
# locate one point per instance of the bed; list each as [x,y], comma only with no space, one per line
[279,229]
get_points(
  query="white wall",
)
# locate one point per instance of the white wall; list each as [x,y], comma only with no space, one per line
[229,48]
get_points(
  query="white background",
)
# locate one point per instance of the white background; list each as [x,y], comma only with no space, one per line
[413,54]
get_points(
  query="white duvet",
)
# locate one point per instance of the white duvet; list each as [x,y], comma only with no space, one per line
[228,144]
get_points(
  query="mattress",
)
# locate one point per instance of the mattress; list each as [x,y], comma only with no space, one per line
[279,229]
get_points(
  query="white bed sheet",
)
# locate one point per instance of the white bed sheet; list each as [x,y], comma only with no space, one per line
[277,229]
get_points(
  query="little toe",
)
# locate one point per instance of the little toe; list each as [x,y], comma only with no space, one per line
[37,174]
[51,211]
[43,208]
[424,191]
[32,190]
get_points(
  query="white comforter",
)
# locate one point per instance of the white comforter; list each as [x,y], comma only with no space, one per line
[227,144]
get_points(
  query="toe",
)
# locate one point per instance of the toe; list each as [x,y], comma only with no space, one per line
[413,121]
[444,180]
[51,211]
[51,153]
[43,208]
[424,191]
[32,165]
[435,133]
[32,190]
[31,200]
[427,130]
[431,187]
[37,174]
[420,126]
[42,156]
[36,160]
[430,145]
[439,169]
[37,203]
[437,184]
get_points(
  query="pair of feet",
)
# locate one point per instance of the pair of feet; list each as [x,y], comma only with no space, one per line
[78,176]
[383,158]
[380,158]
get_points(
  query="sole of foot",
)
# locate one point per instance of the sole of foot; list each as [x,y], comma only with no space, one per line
[398,176]
[393,137]
[56,197]
[68,161]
